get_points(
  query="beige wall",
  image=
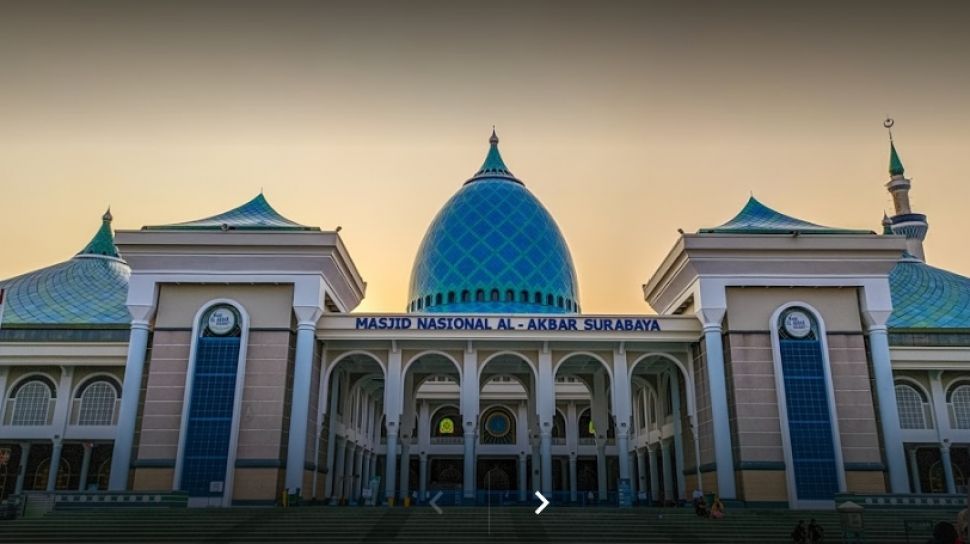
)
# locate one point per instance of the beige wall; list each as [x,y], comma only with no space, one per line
[750,370]
[763,485]
[162,400]
[750,308]
[269,306]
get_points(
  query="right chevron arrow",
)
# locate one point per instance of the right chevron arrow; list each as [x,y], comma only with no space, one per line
[545,503]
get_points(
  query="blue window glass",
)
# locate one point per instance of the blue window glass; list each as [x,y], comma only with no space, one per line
[809,420]
[211,405]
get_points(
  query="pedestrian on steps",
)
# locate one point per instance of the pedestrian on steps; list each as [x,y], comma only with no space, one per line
[800,534]
[814,532]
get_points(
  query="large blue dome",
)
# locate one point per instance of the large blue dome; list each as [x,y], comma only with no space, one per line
[493,248]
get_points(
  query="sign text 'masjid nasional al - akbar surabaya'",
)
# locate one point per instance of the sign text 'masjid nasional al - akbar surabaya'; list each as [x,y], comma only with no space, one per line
[476,323]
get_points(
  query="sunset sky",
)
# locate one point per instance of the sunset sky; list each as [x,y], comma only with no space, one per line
[628,120]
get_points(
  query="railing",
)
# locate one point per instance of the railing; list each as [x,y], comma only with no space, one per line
[447,440]
[44,416]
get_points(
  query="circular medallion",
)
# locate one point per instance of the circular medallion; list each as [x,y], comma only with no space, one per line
[221,320]
[797,324]
[498,424]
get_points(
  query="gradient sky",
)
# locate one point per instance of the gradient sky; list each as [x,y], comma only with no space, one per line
[627,120]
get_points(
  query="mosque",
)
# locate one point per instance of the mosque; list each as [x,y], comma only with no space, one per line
[788,363]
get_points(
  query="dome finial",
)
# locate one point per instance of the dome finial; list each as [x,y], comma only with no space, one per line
[494,138]
[107,215]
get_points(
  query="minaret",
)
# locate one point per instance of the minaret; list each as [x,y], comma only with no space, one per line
[904,222]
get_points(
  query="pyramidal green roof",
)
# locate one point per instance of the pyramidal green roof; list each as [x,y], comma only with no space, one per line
[257,214]
[494,166]
[90,289]
[895,165]
[756,218]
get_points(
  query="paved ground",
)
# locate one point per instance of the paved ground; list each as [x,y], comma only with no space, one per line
[455,525]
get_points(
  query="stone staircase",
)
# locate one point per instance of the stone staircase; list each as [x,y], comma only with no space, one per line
[422,525]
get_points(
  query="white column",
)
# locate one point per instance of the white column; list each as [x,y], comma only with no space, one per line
[601,483]
[914,470]
[877,307]
[405,468]
[85,466]
[300,404]
[546,409]
[22,469]
[622,413]
[423,476]
[338,471]
[358,471]
[573,479]
[654,474]
[947,462]
[424,425]
[668,471]
[55,464]
[364,469]
[130,390]
[469,393]
[678,431]
[642,470]
[601,426]
[392,408]
[523,468]
[717,382]
[348,469]
[3,385]
[331,480]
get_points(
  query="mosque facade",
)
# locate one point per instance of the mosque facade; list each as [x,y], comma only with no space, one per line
[220,359]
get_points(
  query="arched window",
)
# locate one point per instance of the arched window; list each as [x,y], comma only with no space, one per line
[466,296]
[524,297]
[32,402]
[446,422]
[427,301]
[913,408]
[480,295]
[802,365]
[498,426]
[549,300]
[569,304]
[559,302]
[437,299]
[538,298]
[959,403]
[95,403]
[420,304]
[495,295]
[451,297]
[510,296]
[412,305]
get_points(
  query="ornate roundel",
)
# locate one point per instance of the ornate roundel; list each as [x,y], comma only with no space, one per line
[498,424]
[797,324]
[221,320]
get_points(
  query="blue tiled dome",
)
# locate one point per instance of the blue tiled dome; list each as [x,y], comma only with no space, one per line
[493,248]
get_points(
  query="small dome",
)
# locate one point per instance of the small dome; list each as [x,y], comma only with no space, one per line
[493,248]
[90,289]
[928,298]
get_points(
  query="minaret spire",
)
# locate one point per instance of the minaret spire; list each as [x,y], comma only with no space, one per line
[911,225]
[494,167]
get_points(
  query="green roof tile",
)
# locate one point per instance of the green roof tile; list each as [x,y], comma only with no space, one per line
[925,297]
[895,165]
[257,214]
[90,289]
[756,218]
